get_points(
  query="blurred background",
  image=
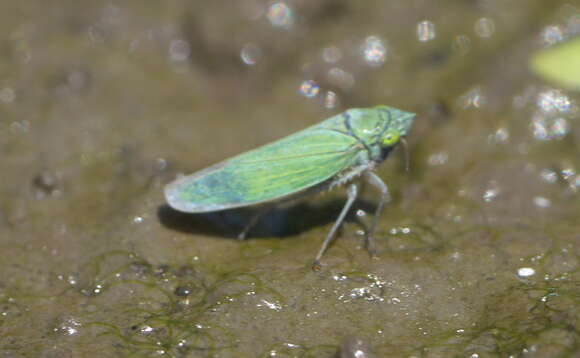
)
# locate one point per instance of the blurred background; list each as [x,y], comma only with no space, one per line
[104,102]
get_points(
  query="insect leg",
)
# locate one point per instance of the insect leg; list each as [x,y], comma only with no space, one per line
[378,183]
[252,222]
[352,193]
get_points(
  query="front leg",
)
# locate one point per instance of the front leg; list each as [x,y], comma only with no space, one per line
[352,193]
[378,183]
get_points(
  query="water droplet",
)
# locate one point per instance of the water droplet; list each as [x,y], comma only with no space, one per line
[526,272]
[575,182]
[461,44]
[549,128]
[553,101]
[274,306]
[491,194]
[330,100]
[474,98]
[146,330]
[374,51]
[280,15]
[542,202]
[250,54]
[559,128]
[331,54]
[309,88]
[179,50]
[438,159]
[354,347]
[552,35]
[567,173]
[549,176]
[484,27]
[7,95]
[539,129]
[425,31]
[183,291]
[501,135]
[161,163]
[339,77]
[22,126]
[68,327]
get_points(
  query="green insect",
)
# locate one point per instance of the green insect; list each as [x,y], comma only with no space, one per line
[331,153]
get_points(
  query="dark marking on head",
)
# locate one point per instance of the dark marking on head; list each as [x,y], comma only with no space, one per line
[387,122]
[352,134]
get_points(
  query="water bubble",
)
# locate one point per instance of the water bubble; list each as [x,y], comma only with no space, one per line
[7,95]
[331,54]
[484,27]
[553,100]
[501,135]
[548,175]
[559,128]
[179,50]
[355,347]
[161,164]
[542,202]
[552,35]
[69,327]
[280,15]
[361,213]
[526,272]
[546,128]
[183,291]
[339,77]
[425,31]
[309,88]
[250,54]
[438,158]
[491,194]
[274,306]
[539,129]
[461,44]
[474,98]
[330,100]
[575,182]
[567,173]
[145,330]
[374,51]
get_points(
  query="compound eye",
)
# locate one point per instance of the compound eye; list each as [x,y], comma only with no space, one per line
[390,138]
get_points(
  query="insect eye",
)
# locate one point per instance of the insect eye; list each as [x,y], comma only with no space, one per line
[390,138]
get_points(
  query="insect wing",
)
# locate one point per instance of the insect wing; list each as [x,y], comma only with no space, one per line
[271,172]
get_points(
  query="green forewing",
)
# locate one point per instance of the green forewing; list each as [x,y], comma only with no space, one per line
[276,170]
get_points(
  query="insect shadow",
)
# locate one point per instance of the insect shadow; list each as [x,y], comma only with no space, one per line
[283,222]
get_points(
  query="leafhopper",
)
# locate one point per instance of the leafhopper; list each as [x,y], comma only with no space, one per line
[333,152]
